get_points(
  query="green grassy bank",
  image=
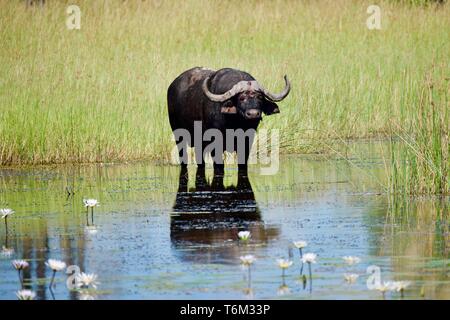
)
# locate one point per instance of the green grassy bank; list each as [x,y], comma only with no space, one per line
[99,93]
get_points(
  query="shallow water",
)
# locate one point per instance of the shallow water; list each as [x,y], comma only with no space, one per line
[159,235]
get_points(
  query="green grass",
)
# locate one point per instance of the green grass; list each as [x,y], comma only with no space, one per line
[99,94]
[420,153]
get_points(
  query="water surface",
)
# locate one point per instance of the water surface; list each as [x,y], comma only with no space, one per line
[164,234]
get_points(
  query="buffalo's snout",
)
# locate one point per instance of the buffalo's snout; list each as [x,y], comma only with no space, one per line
[253,114]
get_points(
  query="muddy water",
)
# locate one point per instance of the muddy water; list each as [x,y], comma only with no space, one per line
[162,234]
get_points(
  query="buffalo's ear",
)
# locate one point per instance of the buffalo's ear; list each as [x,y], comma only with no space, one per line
[270,107]
[228,107]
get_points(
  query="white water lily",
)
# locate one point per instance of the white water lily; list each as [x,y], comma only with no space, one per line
[284,264]
[85,295]
[7,252]
[351,277]
[300,244]
[247,260]
[283,290]
[400,285]
[244,235]
[5,212]
[309,258]
[90,203]
[92,230]
[351,260]
[20,264]
[248,293]
[25,295]
[56,265]
[86,280]
[384,287]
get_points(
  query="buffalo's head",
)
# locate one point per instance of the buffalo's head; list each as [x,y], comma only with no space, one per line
[248,99]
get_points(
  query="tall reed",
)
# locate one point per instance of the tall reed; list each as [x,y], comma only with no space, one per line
[420,149]
[98,94]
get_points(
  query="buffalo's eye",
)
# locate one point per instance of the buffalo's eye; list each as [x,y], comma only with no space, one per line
[242,98]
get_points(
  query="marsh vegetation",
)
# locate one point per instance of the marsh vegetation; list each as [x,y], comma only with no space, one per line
[98,94]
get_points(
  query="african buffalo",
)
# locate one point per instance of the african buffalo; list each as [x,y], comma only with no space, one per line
[205,99]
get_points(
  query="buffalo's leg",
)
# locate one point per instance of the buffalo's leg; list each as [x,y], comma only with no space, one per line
[216,156]
[183,179]
[219,166]
[182,145]
[217,182]
[243,183]
[219,169]
[243,167]
[199,154]
[219,172]
[200,178]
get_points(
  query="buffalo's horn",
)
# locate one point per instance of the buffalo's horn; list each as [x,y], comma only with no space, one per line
[237,88]
[280,96]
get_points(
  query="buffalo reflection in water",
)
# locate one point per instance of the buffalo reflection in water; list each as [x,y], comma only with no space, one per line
[205,221]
